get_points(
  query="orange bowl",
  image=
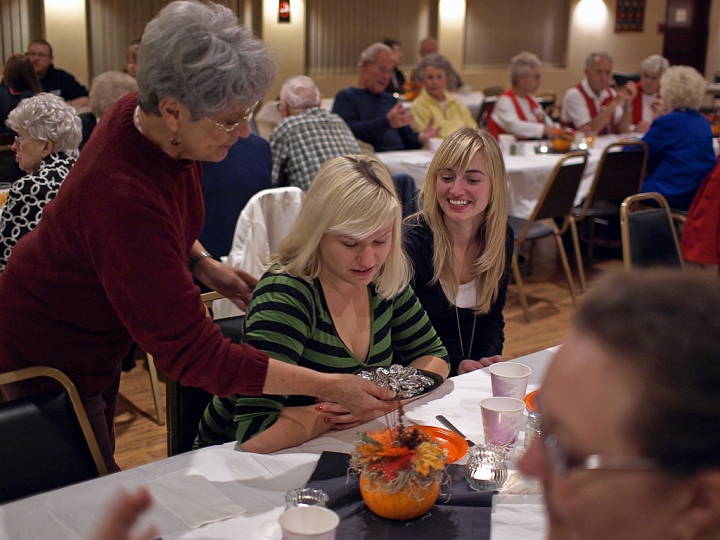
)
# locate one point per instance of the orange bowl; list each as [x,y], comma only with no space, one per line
[531,401]
[455,445]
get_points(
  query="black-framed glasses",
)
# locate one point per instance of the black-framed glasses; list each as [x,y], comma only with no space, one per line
[232,128]
[562,463]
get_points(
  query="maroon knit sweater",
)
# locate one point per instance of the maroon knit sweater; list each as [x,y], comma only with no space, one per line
[106,265]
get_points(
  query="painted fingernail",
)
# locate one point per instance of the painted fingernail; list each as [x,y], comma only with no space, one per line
[319,408]
[327,419]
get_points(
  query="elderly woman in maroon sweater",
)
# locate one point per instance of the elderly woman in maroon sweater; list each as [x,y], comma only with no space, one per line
[114,256]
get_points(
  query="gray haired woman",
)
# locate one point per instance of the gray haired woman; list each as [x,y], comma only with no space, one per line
[114,257]
[46,146]
[435,106]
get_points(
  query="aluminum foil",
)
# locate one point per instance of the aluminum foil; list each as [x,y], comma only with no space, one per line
[406,381]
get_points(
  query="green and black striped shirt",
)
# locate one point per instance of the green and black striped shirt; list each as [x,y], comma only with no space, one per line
[289,319]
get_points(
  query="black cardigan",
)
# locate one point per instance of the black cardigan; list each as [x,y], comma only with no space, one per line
[489,329]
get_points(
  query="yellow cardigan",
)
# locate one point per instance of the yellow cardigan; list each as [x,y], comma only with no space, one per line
[453,116]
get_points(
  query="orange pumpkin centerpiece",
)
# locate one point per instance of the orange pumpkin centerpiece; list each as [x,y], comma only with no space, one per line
[400,471]
[562,141]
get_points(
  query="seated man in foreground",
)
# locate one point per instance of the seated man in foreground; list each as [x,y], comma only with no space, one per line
[374,116]
[629,445]
[592,106]
[516,111]
[307,136]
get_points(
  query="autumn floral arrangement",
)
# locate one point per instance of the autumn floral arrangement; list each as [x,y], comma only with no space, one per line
[400,468]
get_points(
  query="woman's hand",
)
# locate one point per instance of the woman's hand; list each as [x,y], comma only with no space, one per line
[237,285]
[359,396]
[340,418]
[466,366]
[428,133]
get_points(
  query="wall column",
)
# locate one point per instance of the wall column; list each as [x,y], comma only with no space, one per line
[451,31]
[66,31]
[287,41]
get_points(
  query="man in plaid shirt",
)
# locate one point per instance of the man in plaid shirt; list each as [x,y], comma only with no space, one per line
[307,136]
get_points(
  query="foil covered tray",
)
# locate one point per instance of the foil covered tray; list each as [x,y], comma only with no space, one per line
[407,381]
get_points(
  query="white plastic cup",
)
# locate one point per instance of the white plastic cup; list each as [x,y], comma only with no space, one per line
[509,379]
[434,143]
[308,523]
[501,418]
[506,141]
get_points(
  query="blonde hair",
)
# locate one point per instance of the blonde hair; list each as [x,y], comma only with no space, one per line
[457,151]
[683,88]
[352,196]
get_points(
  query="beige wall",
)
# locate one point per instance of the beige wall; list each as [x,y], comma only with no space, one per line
[628,48]
[66,19]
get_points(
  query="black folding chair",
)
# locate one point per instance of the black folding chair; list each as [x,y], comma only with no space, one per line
[619,174]
[47,439]
[649,237]
[185,404]
[556,201]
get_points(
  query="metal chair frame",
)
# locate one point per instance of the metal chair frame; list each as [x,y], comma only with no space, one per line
[556,201]
[62,379]
[609,184]
[626,209]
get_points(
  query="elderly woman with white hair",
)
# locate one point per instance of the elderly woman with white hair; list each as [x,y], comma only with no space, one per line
[516,111]
[435,106]
[680,142]
[648,91]
[113,259]
[46,147]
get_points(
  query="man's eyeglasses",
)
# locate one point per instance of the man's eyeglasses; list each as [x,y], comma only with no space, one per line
[562,463]
[233,127]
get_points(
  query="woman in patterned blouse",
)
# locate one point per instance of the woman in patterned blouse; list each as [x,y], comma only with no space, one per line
[336,301]
[46,147]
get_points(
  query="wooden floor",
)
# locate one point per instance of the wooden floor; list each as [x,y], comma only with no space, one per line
[140,440]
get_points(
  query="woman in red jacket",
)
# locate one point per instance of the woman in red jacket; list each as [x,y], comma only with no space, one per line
[113,259]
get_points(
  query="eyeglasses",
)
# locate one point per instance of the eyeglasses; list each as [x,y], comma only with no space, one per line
[562,463]
[232,128]
[20,141]
[38,55]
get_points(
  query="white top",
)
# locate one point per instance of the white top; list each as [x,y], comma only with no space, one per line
[647,114]
[505,115]
[574,108]
[467,295]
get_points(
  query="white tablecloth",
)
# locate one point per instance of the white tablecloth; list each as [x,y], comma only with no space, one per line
[526,174]
[259,482]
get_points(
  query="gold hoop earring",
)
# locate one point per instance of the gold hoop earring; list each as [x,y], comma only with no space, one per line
[175,140]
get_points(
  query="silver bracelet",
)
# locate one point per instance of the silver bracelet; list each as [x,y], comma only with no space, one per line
[195,260]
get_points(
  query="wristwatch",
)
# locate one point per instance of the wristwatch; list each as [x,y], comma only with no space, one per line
[195,260]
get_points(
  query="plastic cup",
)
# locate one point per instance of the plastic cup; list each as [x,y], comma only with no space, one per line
[506,141]
[434,143]
[4,190]
[509,379]
[501,418]
[308,523]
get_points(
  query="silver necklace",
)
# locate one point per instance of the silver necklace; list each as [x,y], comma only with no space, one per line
[472,336]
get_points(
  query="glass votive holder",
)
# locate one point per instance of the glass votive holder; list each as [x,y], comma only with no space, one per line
[305,497]
[486,468]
